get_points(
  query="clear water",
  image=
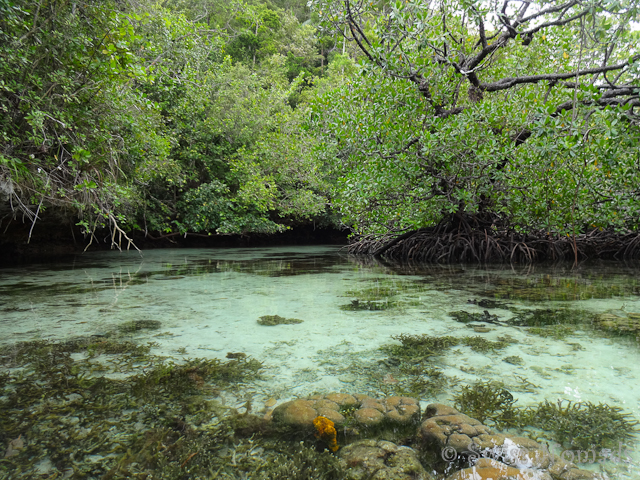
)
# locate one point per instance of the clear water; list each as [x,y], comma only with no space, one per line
[209,301]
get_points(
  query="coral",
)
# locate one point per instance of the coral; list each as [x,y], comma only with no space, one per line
[326,432]
[353,415]
[378,460]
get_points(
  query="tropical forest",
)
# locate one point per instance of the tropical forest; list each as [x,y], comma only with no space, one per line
[508,129]
[320,239]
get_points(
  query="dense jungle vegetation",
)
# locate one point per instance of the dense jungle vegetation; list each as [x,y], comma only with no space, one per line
[210,117]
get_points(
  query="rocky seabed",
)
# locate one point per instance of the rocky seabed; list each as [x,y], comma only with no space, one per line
[445,443]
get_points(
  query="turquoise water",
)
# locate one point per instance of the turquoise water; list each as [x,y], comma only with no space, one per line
[562,333]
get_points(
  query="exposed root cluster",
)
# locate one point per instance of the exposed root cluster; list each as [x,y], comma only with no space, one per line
[483,245]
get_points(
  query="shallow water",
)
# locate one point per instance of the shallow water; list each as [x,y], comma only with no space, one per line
[209,303]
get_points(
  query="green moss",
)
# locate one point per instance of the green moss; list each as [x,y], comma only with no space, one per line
[271,320]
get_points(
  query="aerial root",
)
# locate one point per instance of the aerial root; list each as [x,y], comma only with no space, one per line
[115,229]
[477,246]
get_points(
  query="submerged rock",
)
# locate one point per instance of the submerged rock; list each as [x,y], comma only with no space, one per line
[620,325]
[488,469]
[446,427]
[382,460]
[455,437]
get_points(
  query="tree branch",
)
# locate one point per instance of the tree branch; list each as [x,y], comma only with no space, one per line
[509,82]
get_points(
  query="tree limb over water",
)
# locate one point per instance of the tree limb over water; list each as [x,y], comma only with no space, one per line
[518,116]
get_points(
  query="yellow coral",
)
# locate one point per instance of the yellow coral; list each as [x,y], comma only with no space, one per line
[326,432]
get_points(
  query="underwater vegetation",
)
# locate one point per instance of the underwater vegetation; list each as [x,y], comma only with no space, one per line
[615,325]
[384,294]
[513,360]
[423,382]
[582,425]
[357,305]
[380,291]
[467,317]
[419,348]
[411,363]
[109,409]
[271,320]
[559,288]
[486,303]
[488,402]
[544,317]
[134,326]
[290,264]
[305,463]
